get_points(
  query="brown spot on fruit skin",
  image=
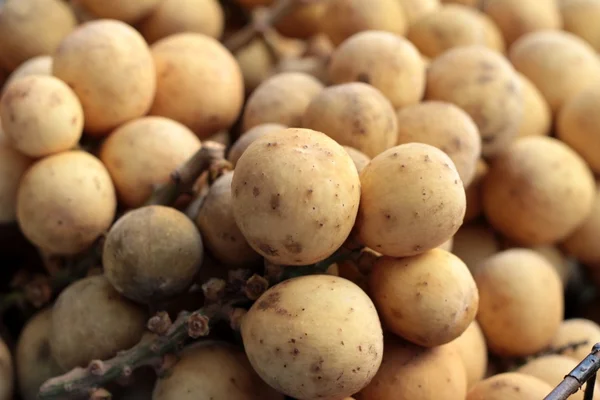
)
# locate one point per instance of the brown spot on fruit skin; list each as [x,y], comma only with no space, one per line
[255,191]
[275,201]
[267,249]
[292,246]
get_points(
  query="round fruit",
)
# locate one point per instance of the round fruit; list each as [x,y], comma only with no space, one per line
[13,165]
[354,114]
[576,330]
[41,116]
[579,17]
[248,137]
[582,243]
[449,26]
[219,229]
[295,196]
[558,260]
[39,65]
[537,117]
[473,192]
[484,84]
[510,385]
[169,17]
[187,61]
[429,299]
[212,370]
[558,63]
[90,320]
[538,191]
[516,18]
[474,243]
[281,99]
[520,295]
[305,21]
[295,352]
[576,126]
[474,353]
[412,372]
[552,369]
[127,11]
[256,62]
[65,202]
[384,60]
[35,364]
[412,200]
[359,158]
[416,9]
[31,28]
[152,253]
[108,65]
[142,154]
[344,18]
[446,127]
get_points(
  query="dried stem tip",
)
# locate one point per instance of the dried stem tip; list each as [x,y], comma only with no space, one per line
[160,323]
[255,287]
[198,325]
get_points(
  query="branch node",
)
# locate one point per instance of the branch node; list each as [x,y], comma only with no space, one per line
[198,325]
[255,286]
[160,323]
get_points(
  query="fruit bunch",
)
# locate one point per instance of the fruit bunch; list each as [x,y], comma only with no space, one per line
[305,199]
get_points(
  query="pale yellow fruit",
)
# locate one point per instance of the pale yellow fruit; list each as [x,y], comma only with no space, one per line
[416,9]
[256,62]
[580,18]
[473,192]
[39,65]
[126,11]
[576,330]
[359,158]
[473,351]
[474,243]
[583,242]
[248,137]
[510,386]
[291,348]
[537,117]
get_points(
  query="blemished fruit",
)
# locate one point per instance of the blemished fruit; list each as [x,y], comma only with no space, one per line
[152,253]
[510,385]
[446,127]
[169,17]
[142,154]
[344,18]
[520,295]
[354,114]
[108,65]
[295,353]
[538,191]
[473,351]
[41,116]
[558,63]
[194,60]
[576,330]
[408,293]
[412,200]
[90,320]
[126,11]
[13,165]
[34,361]
[65,202]
[412,372]
[271,176]
[486,86]
[388,62]
[21,24]
[38,65]
[219,230]
[281,99]
[213,370]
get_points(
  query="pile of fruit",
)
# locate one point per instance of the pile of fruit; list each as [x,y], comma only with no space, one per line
[298,199]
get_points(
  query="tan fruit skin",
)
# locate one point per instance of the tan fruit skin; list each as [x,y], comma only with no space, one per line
[573,331]
[13,165]
[143,153]
[446,127]
[41,116]
[90,321]
[65,202]
[219,230]
[39,65]
[510,386]
[473,351]
[520,295]
[412,372]
[429,299]
[126,11]
[246,139]
[386,61]
[152,253]
[213,370]
[537,117]
[281,99]
[474,243]
[34,362]
[108,65]
[412,200]
[181,64]
[583,243]
[354,114]
[307,343]
[538,191]
[295,196]
[484,84]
